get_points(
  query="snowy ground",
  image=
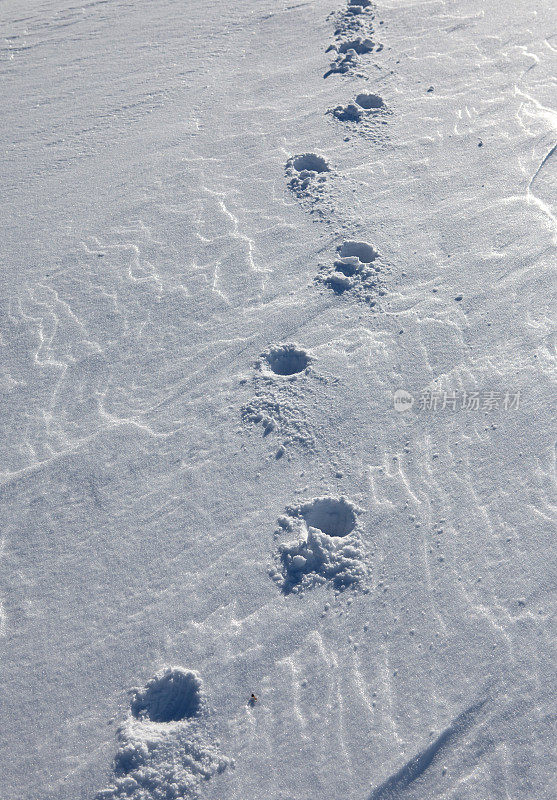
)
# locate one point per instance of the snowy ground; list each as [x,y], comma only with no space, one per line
[201,462]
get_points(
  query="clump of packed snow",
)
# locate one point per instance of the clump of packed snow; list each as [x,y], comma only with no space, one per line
[351,112]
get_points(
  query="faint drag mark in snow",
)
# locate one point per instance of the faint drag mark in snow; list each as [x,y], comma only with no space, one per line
[396,785]
[328,547]
[164,747]
[354,271]
[7,477]
[282,379]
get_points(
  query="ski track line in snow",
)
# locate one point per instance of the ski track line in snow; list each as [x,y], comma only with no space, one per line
[396,785]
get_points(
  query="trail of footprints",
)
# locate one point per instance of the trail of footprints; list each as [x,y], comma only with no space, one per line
[352,38]
[165,748]
[356,271]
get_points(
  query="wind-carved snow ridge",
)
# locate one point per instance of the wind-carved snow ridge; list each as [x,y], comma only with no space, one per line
[543,182]
[352,37]
[164,748]
[328,547]
[551,181]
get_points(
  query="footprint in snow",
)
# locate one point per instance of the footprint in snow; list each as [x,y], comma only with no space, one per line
[171,695]
[164,748]
[366,106]
[281,402]
[327,549]
[356,271]
[354,27]
[307,175]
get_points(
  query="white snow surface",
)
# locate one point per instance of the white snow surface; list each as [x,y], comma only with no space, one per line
[218,266]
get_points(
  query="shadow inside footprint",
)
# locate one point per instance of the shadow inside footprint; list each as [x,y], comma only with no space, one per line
[310,162]
[171,695]
[335,517]
[361,250]
[287,359]
[369,101]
